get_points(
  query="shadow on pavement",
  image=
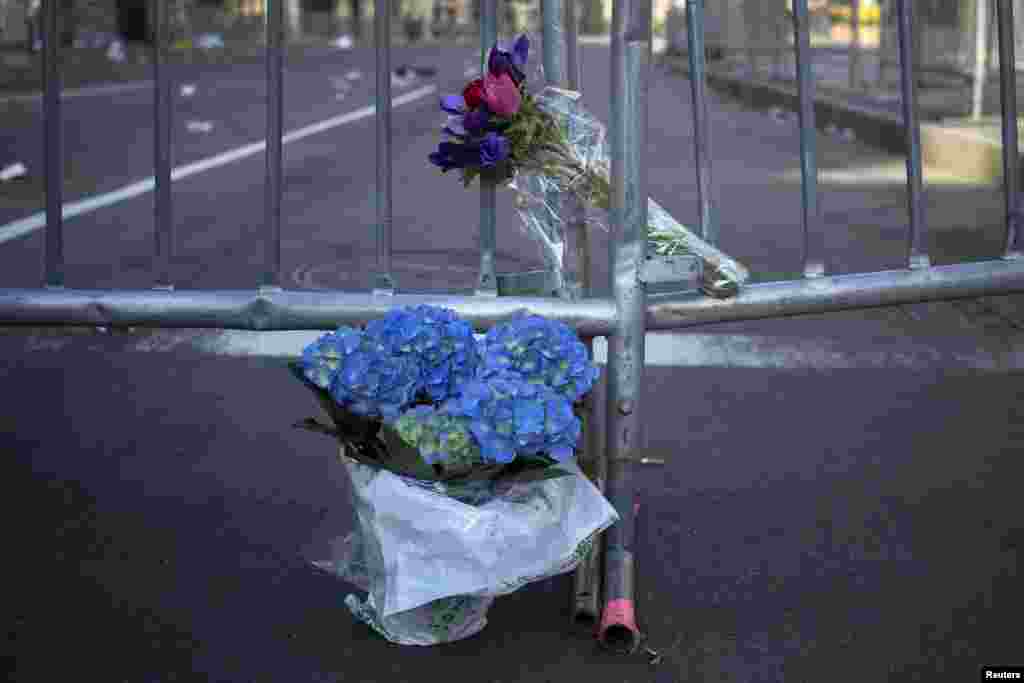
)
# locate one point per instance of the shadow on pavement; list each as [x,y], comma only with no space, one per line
[857,523]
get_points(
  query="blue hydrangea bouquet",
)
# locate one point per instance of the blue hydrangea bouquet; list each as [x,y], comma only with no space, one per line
[416,393]
[459,451]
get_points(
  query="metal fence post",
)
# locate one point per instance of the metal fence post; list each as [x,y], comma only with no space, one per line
[855,44]
[631,53]
[384,281]
[163,115]
[980,59]
[487,283]
[701,133]
[917,255]
[53,152]
[813,263]
[1008,93]
[275,125]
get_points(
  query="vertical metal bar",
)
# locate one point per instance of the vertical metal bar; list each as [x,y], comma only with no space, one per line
[586,589]
[701,133]
[587,579]
[552,47]
[553,42]
[813,264]
[917,256]
[384,282]
[980,59]
[854,50]
[883,40]
[631,54]
[275,111]
[572,45]
[1008,94]
[779,42]
[163,114]
[53,153]
[487,284]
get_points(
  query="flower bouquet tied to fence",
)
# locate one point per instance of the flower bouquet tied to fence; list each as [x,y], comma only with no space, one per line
[460,453]
[546,146]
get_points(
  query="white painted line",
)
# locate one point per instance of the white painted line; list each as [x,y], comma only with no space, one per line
[199,126]
[36,221]
[679,350]
[111,89]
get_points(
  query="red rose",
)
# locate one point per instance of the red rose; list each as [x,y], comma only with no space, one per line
[474,93]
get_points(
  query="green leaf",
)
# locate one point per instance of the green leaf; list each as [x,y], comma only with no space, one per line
[536,474]
[469,174]
[349,426]
[405,459]
[313,425]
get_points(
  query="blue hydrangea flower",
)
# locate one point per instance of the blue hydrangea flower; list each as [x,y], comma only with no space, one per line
[540,351]
[440,438]
[322,359]
[509,416]
[440,344]
[361,375]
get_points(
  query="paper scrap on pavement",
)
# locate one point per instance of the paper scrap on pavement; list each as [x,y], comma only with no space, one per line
[199,126]
[209,41]
[13,171]
[115,52]
[354,75]
[402,77]
[343,43]
[188,90]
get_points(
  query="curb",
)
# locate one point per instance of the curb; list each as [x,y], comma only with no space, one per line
[944,146]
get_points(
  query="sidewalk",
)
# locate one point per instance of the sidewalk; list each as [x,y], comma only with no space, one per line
[950,140]
[88,67]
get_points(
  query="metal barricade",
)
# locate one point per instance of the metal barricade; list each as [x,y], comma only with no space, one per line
[624,318]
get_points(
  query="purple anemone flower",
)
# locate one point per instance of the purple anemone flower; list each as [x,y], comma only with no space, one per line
[453,104]
[476,121]
[493,148]
[451,155]
[512,62]
[456,126]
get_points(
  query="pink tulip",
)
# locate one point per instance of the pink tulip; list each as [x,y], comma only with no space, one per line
[501,95]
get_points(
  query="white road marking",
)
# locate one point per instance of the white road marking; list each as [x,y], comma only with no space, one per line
[23,226]
[199,126]
[662,350]
[110,89]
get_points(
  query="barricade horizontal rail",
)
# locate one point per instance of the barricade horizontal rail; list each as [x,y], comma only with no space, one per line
[276,309]
[594,317]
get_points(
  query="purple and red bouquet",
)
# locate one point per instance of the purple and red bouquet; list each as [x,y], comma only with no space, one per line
[480,118]
[545,146]
[496,126]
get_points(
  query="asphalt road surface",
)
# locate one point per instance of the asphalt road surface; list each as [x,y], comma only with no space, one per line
[839,500]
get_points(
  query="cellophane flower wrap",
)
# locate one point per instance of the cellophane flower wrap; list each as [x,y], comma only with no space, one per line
[553,153]
[459,449]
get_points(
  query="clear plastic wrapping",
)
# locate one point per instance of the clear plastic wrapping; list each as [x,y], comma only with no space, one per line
[565,191]
[432,560]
